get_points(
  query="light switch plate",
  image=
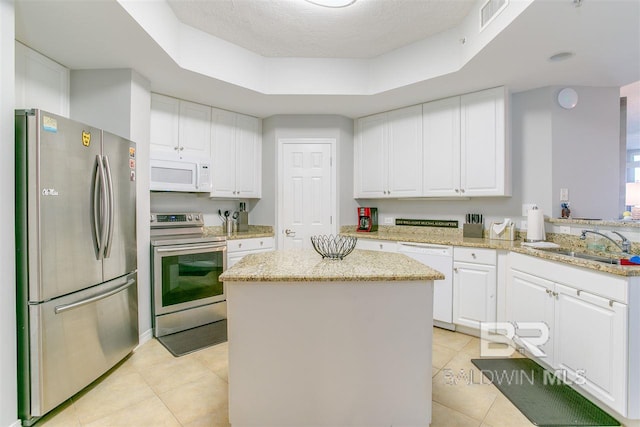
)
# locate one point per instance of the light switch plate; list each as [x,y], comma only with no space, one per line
[564,194]
[389,220]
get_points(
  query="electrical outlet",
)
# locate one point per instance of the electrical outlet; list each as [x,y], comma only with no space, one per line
[563,229]
[564,194]
[389,220]
[523,225]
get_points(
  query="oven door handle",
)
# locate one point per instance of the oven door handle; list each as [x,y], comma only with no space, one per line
[189,248]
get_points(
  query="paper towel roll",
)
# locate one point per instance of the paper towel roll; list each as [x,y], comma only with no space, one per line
[535,225]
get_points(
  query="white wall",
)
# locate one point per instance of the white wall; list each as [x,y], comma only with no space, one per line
[306,126]
[8,363]
[194,202]
[119,101]
[586,152]
[531,131]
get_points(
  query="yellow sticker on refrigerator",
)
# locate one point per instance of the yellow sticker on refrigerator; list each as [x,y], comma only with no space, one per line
[86,138]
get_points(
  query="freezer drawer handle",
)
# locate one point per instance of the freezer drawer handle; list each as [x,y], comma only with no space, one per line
[189,248]
[62,308]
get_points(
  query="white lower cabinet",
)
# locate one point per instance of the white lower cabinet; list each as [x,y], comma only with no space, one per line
[531,301]
[239,248]
[588,330]
[590,343]
[474,286]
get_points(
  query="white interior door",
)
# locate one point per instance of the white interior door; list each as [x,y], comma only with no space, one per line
[307,191]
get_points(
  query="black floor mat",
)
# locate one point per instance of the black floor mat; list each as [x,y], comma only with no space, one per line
[543,401]
[191,340]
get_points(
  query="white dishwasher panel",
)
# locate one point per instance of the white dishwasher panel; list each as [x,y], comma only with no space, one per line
[439,258]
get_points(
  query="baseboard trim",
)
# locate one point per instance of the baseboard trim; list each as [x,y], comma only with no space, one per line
[144,337]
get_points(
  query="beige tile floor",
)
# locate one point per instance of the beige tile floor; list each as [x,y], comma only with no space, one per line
[153,388]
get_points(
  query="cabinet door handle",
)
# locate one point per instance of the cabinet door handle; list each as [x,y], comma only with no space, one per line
[578,292]
[555,294]
[181,148]
[175,148]
[548,291]
[473,255]
[462,190]
[457,190]
[455,269]
[290,233]
[239,245]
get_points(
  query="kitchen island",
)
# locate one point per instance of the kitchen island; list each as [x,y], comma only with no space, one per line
[316,342]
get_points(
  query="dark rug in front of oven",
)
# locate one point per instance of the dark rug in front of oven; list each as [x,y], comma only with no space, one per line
[185,342]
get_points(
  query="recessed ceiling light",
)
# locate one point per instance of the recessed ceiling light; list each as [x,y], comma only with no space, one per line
[332,3]
[561,56]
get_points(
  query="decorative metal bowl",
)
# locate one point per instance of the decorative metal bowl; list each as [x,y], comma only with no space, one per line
[333,247]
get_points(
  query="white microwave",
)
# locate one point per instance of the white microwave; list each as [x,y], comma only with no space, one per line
[188,175]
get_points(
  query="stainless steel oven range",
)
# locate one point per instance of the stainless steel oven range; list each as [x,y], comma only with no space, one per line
[185,270]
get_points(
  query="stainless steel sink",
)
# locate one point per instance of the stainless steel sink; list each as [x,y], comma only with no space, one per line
[582,255]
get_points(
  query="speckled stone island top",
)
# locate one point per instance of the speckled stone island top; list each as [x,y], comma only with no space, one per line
[305,265]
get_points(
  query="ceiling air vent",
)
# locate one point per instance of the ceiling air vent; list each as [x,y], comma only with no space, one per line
[490,10]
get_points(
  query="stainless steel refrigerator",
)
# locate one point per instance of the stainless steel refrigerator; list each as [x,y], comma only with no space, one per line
[76,257]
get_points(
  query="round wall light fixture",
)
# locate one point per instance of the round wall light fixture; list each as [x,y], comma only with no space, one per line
[567,98]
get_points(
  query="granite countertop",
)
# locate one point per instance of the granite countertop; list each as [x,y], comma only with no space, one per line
[594,222]
[254,231]
[455,238]
[305,265]
[619,270]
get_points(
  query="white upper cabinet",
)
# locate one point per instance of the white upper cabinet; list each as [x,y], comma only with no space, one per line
[40,82]
[179,128]
[195,130]
[441,142]
[165,119]
[484,157]
[388,154]
[236,152]
[370,167]
[465,147]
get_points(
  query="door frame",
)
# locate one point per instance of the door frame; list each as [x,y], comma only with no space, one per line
[280,183]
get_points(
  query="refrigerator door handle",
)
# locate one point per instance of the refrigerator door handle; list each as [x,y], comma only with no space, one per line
[99,197]
[111,209]
[66,307]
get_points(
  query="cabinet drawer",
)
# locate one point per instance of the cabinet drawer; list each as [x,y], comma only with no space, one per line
[475,255]
[250,244]
[377,245]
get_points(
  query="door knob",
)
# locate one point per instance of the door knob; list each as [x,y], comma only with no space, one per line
[289,233]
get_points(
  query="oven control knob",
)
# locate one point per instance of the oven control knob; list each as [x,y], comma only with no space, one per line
[197,217]
[189,217]
[153,218]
